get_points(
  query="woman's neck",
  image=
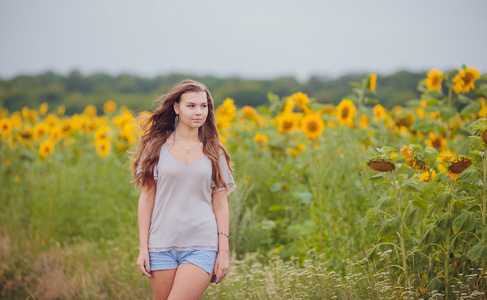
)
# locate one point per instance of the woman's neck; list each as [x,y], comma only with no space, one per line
[187,134]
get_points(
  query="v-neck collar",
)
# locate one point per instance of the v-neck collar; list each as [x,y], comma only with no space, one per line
[170,153]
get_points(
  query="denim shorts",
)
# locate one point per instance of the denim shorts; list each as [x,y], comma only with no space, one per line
[166,260]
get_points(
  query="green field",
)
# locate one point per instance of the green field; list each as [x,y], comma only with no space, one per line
[310,218]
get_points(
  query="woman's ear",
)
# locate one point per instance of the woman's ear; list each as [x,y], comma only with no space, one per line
[176,108]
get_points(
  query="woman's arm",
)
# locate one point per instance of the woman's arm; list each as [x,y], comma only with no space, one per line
[144,213]
[220,209]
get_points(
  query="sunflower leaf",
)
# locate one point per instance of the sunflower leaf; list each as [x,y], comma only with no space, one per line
[368,100]
[483,88]
[410,186]
[456,242]
[388,227]
[469,175]
[445,221]
[421,203]
[370,216]
[478,125]
[412,216]
[354,84]
[429,237]
[464,99]
[425,125]
[471,109]
[379,176]
[384,202]
[478,251]
[442,200]
[464,222]
[475,156]
[385,149]
[447,113]
[430,154]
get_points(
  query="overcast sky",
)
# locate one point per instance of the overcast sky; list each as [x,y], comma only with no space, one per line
[254,39]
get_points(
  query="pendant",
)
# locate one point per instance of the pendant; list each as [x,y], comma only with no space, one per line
[187,152]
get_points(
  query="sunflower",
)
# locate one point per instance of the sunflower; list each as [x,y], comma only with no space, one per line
[433,82]
[302,101]
[346,112]
[483,111]
[128,133]
[363,122]
[289,106]
[380,113]
[465,80]
[260,138]
[312,125]
[90,111]
[66,127]
[436,141]
[249,113]
[457,166]
[25,134]
[328,109]
[5,127]
[226,110]
[55,134]
[109,107]
[420,112]
[43,109]
[380,164]
[102,134]
[40,130]
[413,159]
[405,120]
[61,110]
[103,147]
[46,148]
[372,82]
[51,120]
[296,151]
[427,175]
[288,121]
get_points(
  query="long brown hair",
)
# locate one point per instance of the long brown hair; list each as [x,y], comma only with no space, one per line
[157,128]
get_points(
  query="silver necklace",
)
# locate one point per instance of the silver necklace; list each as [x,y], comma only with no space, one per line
[187,150]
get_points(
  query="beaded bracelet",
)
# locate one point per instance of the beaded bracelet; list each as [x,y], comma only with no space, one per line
[224,234]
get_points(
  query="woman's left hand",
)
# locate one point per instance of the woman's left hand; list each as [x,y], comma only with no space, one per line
[221,266]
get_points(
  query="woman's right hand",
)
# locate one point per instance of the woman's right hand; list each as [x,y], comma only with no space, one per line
[143,263]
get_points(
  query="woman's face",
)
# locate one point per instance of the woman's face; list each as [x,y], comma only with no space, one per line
[192,109]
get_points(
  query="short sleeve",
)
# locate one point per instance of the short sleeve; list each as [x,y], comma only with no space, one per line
[156,173]
[227,176]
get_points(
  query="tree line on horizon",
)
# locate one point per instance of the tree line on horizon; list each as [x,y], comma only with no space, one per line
[76,90]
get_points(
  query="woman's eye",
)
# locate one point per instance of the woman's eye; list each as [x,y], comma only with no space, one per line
[191,105]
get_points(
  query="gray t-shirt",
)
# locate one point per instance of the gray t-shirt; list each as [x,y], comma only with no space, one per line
[182,217]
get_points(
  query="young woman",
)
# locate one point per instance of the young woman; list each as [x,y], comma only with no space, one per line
[185,176]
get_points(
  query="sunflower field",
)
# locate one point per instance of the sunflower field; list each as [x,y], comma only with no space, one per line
[352,201]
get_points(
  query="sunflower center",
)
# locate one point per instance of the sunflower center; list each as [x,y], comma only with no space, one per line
[345,112]
[467,79]
[437,143]
[312,126]
[435,81]
[287,124]
[5,126]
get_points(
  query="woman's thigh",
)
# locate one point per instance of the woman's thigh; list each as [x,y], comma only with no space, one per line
[190,282]
[161,282]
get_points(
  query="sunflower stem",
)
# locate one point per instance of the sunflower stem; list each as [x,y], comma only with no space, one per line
[449,104]
[401,230]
